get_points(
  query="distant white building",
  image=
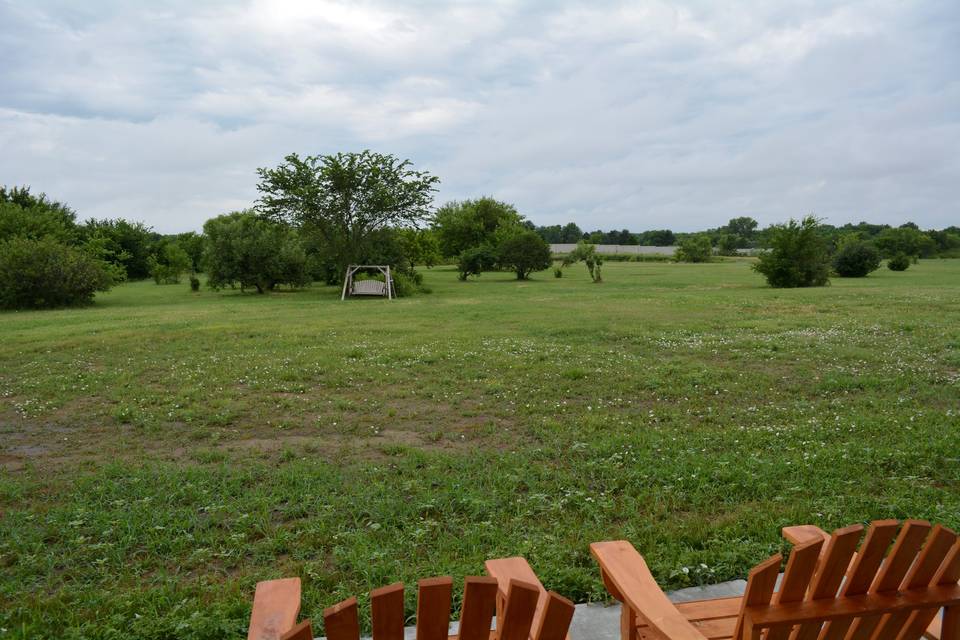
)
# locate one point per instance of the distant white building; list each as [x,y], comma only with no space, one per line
[627,249]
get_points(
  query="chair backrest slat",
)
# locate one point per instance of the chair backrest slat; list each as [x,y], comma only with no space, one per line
[883,595]
[921,573]
[386,612]
[949,573]
[834,565]
[864,570]
[341,621]
[518,614]
[479,605]
[556,618]
[760,584]
[796,580]
[301,631]
[891,574]
[434,596]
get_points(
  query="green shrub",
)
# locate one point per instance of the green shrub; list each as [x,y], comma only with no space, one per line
[523,253]
[855,258]
[695,249]
[194,283]
[797,257]
[473,262]
[588,253]
[408,284]
[557,272]
[43,273]
[899,262]
[243,248]
[168,264]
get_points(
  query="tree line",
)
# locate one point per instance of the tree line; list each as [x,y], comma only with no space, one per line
[316,215]
[744,233]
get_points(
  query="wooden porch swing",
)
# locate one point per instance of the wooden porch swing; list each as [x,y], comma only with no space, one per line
[353,287]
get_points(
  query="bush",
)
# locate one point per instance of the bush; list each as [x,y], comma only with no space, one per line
[37,274]
[170,262]
[473,262]
[797,257]
[588,253]
[557,272]
[695,249]
[243,248]
[856,258]
[899,262]
[405,284]
[524,253]
[194,283]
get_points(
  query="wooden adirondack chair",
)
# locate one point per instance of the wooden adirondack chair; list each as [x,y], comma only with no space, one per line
[277,603]
[829,590]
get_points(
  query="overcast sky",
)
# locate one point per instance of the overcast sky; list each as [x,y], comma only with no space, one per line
[642,115]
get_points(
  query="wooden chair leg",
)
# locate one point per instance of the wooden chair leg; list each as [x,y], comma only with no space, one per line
[950,629]
[628,623]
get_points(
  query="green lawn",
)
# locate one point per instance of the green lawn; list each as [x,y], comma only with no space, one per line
[163,450]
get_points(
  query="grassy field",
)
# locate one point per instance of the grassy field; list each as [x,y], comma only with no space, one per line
[163,450]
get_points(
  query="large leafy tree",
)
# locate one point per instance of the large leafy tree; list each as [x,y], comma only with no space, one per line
[475,223]
[25,215]
[345,198]
[524,253]
[744,227]
[127,244]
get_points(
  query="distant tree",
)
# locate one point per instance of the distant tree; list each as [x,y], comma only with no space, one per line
[728,243]
[588,254]
[551,233]
[24,215]
[346,197]
[947,241]
[899,262]
[169,263]
[192,243]
[127,244]
[907,240]
[570,233]
[658,238]
[44,273]
[420,246]
[472,223]
[245,249]
[797,257]
[855,258]
[524,253]
[476,260]
[695,248]
[743,227]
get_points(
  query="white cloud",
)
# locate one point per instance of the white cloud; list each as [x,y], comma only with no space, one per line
[639,115]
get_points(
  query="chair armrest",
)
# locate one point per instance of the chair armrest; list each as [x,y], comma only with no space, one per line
[276,604]
[802,533]
[628,579]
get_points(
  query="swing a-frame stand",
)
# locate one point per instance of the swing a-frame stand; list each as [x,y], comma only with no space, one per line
[353,287]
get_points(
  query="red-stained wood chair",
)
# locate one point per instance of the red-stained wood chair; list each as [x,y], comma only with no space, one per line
[277,603]
[829,589]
